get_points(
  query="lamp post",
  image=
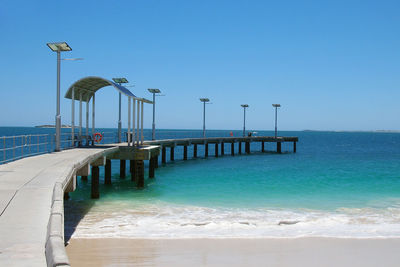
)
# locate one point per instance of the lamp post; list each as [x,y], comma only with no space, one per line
[276,106]
[119,81]
[58,47]
[204,100]
[244,106]
[154,91]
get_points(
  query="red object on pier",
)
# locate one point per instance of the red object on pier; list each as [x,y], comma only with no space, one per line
[98,137]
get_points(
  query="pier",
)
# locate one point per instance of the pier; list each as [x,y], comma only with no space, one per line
[33,189]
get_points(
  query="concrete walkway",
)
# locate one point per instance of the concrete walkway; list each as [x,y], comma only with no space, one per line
[26,195]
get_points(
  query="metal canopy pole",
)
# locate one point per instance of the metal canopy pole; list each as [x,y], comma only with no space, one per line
[80,115]
[73,117]
[204,119]
[58,116]
[129,121]
[133,122]
[244,106]
[93,115]
[276,122]
[276,106]
[87,119]
[138,121]
[119,121]
[153,134]
[141,131]
[244,122]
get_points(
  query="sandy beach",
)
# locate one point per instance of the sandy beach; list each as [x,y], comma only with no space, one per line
[234,252]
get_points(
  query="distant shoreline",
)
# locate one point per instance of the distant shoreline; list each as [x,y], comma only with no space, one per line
[52,126]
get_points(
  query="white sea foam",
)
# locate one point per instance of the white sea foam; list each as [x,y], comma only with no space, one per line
[173,221]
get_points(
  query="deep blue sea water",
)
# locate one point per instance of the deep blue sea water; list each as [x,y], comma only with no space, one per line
[340,184]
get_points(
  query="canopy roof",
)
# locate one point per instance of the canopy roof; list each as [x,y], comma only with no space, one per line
[90,85]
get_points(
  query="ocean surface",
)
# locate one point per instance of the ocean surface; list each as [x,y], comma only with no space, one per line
[338,184]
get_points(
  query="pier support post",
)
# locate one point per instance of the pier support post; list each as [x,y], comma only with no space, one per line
[95,182]
[163,155]
[206,150]
[156,162]
[195,151]
[122,167]
[240,147]
[294,147]
[262,147]
[107,172]
[233,149]
[279,147]
[247,147]
[216,150]
[185,153]
[84,178]
[132,170]
[222,148]
[152,166]
[139,170]
[172,155]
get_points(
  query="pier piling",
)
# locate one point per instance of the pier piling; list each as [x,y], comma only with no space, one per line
[294,147]
[233,149]
[139,170]
[247,147]
[122,167]
[195,151]
[132,170]
[279,147]
[206,150]
[163,155]
[152,166]
[172,155]
[216,150]
[222,148]
[240,147]
[107,172]
[185,153]
[95,182]
[262,147]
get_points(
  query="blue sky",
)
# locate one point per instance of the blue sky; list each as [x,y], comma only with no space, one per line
[333,65]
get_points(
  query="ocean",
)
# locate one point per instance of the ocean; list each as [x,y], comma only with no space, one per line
[338,184]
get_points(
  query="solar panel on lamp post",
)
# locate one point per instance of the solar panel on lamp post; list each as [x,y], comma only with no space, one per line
[154,91]
[204,100]
[58,48]
[276,106]
[244,106]
[119,81]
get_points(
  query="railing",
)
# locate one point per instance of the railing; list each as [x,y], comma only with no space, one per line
[21,146]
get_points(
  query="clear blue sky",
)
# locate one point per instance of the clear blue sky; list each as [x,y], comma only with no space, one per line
[333,65]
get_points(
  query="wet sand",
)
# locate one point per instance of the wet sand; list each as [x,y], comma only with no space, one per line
[234,252]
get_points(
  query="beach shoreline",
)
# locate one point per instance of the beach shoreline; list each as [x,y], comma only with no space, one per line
[303,251]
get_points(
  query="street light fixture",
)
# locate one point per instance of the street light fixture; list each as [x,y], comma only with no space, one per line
[276,106]
[244,106]
[58,47]
[119,81]
[204,100]
[154,91]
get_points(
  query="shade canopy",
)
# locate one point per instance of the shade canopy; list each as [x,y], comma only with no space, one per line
[89,85]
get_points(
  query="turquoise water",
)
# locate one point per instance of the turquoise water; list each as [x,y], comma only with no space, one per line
[337,184]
